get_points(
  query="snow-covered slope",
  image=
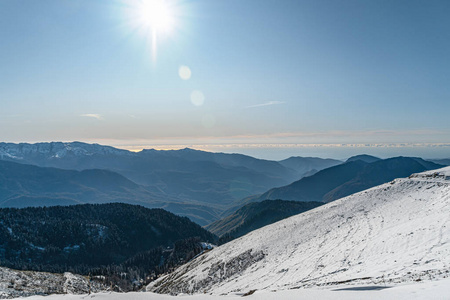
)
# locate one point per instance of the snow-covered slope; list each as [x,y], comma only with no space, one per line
[399,231]
[432,290]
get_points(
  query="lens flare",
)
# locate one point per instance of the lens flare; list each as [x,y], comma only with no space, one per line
[184,72]
[197,98]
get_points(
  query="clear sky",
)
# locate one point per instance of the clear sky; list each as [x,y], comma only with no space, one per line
[228,75]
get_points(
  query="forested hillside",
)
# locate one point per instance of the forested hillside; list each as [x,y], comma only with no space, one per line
[106,239]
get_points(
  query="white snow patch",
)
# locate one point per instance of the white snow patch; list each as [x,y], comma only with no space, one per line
[207,246]
[71,248]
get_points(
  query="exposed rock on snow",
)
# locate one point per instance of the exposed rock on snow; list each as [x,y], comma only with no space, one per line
[443,173]
[396,232]
[27,283]
[218,271]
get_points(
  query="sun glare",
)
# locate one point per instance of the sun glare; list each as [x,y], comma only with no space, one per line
[156,15]
[153,19]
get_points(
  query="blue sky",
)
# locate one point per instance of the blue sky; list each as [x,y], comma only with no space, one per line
[270,75]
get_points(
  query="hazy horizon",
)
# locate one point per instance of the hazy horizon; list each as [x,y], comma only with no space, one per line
[283,151]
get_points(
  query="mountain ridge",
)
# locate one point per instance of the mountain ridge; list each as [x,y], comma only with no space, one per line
[348,178]
[198,184]
[23,185]
[364,157]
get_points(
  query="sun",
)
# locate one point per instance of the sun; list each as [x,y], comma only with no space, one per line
[154,20]
[156,15]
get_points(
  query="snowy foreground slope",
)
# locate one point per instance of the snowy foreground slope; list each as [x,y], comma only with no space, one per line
[435,290]
[393,233]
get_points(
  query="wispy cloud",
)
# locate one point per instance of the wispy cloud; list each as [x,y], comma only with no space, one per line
[95,116]
[266,104]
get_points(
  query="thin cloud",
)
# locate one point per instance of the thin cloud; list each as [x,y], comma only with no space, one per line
[343,138]
[95,116]
[266,104]
[137,147]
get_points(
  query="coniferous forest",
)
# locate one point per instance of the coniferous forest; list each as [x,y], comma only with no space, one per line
[121,244]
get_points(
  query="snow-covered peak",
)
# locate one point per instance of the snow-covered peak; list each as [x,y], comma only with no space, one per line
[399,231]
[443,173]
[56,150]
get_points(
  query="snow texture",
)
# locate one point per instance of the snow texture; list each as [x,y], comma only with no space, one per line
[394,233]
[435,290]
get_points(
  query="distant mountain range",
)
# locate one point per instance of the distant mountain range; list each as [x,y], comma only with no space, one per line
[201,185]
[23,185]
[197,184]
[345,179]
[445,162]
[306,166]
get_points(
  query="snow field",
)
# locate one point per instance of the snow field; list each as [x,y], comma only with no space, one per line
[393,233]
[435,290]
